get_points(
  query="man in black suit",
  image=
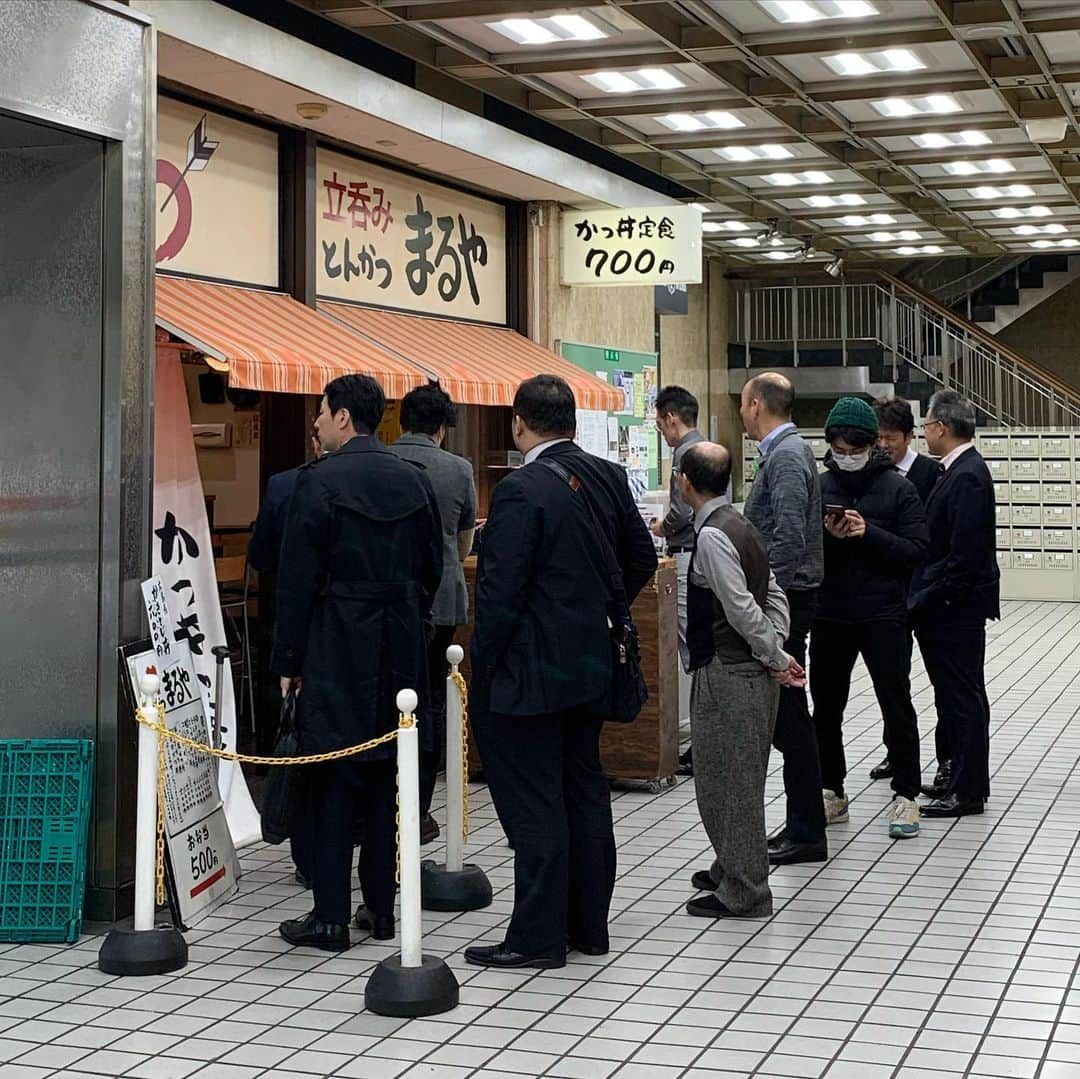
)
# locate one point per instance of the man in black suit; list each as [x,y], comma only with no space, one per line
[896,432]
[953,593]
[541,674]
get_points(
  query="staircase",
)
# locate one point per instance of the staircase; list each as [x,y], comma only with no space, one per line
[883,337]
[1022,289]
[992,292]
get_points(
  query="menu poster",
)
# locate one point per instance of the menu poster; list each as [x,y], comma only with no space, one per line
[624,380]
[648,378]
[592,431]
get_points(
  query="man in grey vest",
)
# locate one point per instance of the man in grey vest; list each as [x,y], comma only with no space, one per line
[784,505]
[737,620]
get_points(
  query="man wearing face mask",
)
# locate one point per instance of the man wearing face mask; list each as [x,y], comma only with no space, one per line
[875,536]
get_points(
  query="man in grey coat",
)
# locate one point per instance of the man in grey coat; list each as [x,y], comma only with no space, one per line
[737,622]
[784,505]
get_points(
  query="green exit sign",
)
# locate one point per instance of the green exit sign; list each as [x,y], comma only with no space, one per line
[611,354]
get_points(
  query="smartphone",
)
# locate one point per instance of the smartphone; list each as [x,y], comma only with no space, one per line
[835,511]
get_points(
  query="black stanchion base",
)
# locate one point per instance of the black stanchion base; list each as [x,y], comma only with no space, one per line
[160,950]
[408,992]
[464,889]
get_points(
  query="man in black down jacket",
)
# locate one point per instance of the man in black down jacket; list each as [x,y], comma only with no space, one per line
[875,535]
[360,565]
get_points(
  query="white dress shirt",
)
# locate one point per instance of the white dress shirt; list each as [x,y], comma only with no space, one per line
[954,455]
[909,458]
[540,447]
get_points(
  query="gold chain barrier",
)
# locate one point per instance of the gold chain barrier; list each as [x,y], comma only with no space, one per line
[163,733]
[463,689]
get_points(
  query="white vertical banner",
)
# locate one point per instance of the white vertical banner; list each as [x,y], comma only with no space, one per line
[184,560]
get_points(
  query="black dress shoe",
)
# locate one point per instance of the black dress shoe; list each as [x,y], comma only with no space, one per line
[686,763]
[778,838]
[380,926]
[302,880]
[429,829]
[788,853]
[883,770]
[501,958]
[311,932]
[952,805]
[940,786]
[587,949]
[708,906]
[702,881]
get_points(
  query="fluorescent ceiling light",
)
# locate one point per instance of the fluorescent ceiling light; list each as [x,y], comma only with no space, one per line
[714,121]
[1053,229]
[546,30]
[780,255]
[939,140]
[745,241]
[931,105]
[1070,242]
[1010,191]
[711,226]
[1010,213]
[972,168]
[824,202]
[857,220]
[792,11]
[926,249]
[770,151]
[629,82]
[873,63]
[889,237]
[734,226]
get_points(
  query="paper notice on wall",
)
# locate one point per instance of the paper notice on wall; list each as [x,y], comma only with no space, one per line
[592,434]
[639,396]
[652,451]
[648,375]
[638,448]
[624,380]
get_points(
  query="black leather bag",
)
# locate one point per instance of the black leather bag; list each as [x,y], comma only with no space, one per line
[282,797]
[628,690]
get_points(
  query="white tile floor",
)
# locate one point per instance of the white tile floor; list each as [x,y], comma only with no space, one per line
[951,955]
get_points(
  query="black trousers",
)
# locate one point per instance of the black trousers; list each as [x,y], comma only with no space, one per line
[341,793]
[795,736]
[438,669]
[552,796]
[954,651]
[885,647]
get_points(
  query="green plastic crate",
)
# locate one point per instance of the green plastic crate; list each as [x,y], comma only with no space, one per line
[45,791]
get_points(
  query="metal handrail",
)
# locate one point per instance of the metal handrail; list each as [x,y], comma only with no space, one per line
[915,330]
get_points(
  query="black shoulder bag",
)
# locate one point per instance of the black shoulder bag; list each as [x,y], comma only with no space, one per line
[280,803]
[628,690]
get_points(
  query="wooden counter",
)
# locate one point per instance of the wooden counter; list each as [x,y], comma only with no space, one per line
[648,749]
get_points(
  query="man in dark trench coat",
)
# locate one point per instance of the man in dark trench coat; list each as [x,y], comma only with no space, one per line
[360,565]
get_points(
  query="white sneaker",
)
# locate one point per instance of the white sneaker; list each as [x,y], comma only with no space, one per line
[836,808]
[903,816]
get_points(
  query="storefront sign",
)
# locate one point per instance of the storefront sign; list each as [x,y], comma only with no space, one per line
[184,560]
[216,204]
[391,240]
[653,246]
[204,864]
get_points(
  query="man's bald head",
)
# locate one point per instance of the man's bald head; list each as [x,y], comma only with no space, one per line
[706,469]
[774,391]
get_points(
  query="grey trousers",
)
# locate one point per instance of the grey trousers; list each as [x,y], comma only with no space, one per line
[732,715]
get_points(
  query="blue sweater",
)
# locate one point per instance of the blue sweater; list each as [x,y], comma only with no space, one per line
[784,505]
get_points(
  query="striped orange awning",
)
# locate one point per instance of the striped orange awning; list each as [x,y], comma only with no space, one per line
[269,341]
[476,365]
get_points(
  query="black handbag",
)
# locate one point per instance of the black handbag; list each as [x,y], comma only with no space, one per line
[282,795]
[628,690]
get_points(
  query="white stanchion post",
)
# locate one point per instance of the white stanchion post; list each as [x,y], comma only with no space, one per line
[408,764]
[145,948]
[146,803]
[410,984]
[455,765]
